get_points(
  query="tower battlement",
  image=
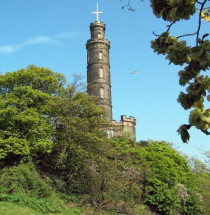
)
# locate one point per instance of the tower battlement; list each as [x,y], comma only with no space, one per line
[131,119]
[125,121]
[97,24]
[125,124]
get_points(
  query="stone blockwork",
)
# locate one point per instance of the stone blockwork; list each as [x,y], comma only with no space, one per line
[125,125]
[98,68]
[99,82]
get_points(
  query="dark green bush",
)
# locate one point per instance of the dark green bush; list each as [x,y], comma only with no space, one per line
[24,178]
[23,185]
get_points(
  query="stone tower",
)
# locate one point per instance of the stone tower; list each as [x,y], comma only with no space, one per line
[98,79]
[98,67]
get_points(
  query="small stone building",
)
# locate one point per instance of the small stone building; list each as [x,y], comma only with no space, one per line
[99,82]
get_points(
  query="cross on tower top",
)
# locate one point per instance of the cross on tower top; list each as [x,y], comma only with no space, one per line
[97,13]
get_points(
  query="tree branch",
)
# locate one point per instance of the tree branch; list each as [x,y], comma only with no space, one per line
[199,23]
[206,132]
[129,6]
[186,35]
[169,26]
[155,34]
[199,2]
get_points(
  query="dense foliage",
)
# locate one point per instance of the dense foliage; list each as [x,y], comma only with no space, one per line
[202,173]
[26,129]
[23,185]
[53,146]
[161,176]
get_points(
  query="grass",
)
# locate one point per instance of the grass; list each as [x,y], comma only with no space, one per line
[13,209]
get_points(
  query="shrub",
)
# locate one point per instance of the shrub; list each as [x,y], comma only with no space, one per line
[161,176]
[23,185]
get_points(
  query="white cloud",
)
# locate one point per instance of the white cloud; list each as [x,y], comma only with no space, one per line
[39,40]
[8,49]
[14,48]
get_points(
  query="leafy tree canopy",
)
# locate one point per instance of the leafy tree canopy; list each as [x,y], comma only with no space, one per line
[39,113]
[25,128]
[194,59]
[61,130]
[161,175]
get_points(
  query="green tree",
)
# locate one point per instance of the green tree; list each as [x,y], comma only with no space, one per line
[79,139]
[202,175]
[26,130]
[51,123]
[170,186]
[39,113]
[159,175]
[195,59]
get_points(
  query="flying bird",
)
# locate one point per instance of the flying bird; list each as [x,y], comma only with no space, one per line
[134,72]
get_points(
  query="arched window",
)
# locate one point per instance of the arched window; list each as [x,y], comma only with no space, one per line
[101,72]
[100,55]
[108,134]
[102,93]
[112,133]
[99,35]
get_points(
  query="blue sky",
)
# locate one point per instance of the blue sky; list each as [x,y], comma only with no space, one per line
[53,34]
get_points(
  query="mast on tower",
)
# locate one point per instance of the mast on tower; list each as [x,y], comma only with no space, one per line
[97,13]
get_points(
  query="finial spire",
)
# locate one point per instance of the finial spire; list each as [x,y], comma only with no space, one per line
[97,13]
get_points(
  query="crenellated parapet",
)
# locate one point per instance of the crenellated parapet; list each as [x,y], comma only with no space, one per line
[125,125]
[126,120]
[97,28]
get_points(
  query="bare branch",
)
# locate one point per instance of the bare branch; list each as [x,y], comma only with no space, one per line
[169,26]
[186,35]
[199,23]
[199,2]
[129,6]
[155,34]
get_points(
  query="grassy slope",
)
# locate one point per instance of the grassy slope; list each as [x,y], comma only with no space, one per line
[13,209]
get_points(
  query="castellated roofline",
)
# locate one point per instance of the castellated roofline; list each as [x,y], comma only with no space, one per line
[130,119]
[97,24]
[124,121]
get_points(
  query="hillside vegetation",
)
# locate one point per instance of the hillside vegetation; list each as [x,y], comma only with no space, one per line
[55,156]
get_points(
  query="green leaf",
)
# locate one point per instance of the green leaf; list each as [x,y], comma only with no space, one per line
[183,131]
